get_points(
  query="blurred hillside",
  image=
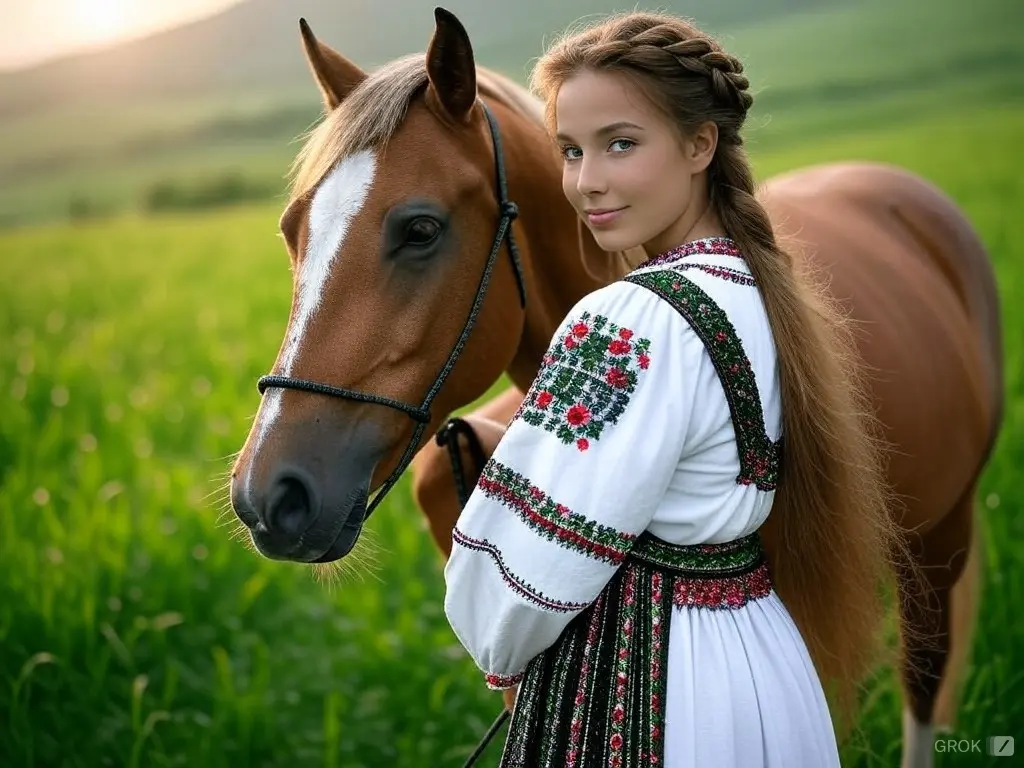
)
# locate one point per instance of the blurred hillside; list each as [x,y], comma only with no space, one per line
[208,112]
[252,47]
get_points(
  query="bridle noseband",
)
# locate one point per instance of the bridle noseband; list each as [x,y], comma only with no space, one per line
[421,413]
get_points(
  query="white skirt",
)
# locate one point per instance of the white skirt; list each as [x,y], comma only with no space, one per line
[742,691]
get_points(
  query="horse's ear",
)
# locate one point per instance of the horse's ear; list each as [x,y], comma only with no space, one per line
[335,75]
[450,66]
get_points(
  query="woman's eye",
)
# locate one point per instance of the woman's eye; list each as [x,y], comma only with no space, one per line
[623,144]
[572,153]
[422,231]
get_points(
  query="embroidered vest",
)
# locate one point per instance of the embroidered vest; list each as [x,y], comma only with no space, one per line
[760,456]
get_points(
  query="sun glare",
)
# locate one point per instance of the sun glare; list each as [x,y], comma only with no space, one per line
[101,19]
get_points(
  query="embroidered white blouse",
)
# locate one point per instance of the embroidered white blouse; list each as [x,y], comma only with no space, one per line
[626,428]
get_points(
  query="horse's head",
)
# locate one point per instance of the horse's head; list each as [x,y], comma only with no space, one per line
[394,213]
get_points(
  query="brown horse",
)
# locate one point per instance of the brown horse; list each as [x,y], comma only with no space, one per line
[398,231]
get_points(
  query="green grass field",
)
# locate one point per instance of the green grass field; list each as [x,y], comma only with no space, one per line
[135,631]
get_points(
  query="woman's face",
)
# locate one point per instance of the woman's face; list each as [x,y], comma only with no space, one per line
[626,170]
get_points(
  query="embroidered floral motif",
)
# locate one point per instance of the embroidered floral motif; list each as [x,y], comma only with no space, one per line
[727,575]
[723,591]
[554,521]
[726,273]
[714,246]
[759,455]
[502,682]
[514,582]
[585,380]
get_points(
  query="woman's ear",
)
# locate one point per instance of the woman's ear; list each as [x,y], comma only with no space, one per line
[701,145]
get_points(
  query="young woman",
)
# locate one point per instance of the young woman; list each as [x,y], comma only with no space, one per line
[608,565]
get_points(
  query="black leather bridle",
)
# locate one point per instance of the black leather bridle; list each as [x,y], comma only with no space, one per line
[421,413]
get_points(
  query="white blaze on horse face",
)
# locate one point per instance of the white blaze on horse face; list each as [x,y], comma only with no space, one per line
[335,204]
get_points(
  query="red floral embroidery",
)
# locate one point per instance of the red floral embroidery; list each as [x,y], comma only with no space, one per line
[720,246]
[578,415]
[552,520]
[586,380]
[723,591]
[501,682]
[616,377]
[725,273]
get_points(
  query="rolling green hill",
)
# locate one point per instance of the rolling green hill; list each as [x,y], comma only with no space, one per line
[227,120]
[252,47]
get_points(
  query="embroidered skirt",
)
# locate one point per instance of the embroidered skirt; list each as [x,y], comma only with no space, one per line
[597,696]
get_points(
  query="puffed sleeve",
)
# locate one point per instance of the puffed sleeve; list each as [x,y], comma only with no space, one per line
[575,479]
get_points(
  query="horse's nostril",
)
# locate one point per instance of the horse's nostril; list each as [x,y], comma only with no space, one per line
[289,507]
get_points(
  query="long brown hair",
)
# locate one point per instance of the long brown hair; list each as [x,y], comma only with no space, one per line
[836,541]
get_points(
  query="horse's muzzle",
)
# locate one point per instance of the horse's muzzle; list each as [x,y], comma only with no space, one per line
[305,503]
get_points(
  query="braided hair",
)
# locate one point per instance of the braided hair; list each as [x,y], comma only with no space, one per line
[830,537]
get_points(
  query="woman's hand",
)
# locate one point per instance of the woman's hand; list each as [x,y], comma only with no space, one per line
[509,694]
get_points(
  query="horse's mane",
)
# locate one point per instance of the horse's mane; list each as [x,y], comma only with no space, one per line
[371,114]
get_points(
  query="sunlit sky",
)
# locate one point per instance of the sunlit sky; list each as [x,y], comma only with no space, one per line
[34,30]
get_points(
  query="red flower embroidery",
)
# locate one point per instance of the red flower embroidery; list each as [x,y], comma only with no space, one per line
[619,347]
[625,333]
[578,415]
[580,330]
[582,444]
[644,361]
[616,741]
[720,336]
[544,399]
[616,377]
[570,342]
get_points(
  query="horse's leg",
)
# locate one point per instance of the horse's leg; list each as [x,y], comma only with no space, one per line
[433,485]
[941,555]
[964,602]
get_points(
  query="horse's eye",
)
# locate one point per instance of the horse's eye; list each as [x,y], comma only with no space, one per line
[422,231]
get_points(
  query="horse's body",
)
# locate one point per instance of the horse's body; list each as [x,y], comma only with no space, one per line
[899,255]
